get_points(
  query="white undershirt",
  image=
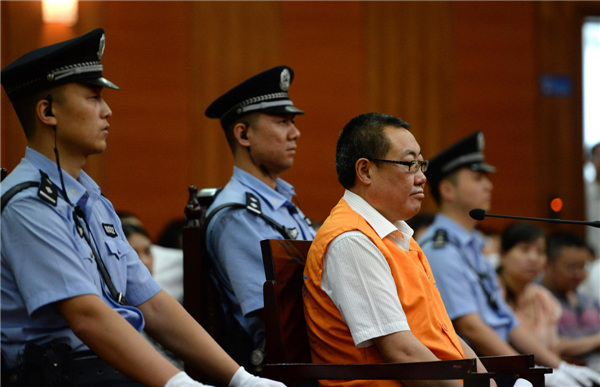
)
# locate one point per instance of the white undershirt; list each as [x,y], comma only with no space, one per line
[358,279]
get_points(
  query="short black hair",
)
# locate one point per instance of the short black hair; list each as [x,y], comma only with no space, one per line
[130,229]
[519,232]
[25,108]
[363,136]
[171,234]
[558,240]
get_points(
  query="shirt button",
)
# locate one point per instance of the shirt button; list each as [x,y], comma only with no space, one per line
[445,327]
[119,251]
[91,254]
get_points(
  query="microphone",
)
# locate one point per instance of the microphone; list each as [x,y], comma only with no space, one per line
[479,214]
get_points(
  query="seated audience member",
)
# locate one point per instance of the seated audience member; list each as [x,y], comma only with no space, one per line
[371,296]
[522,260]
[591,286]
[171,234]
[491,246]
[459,182]
[167,263]
[168,259]
[140,241]
[568,254]
[258,120]
[74,294]
[138,238]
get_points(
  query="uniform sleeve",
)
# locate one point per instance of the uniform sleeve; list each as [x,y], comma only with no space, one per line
[38,249]
[359,281]
[233,239]
[452,280]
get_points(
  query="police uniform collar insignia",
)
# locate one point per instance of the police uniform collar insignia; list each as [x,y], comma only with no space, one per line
[109,230]
[284,79]
[47,190]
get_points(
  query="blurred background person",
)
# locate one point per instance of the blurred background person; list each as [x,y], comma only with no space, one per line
[522,260]
[592,196]
[591,286]
[167,262]
[139,239]
[568,255]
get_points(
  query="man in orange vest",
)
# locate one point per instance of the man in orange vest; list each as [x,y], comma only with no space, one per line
[371,296]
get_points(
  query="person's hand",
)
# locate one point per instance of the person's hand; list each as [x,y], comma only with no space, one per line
[522,383]
[559,378]
[183,380]
[243,378]
[584,375]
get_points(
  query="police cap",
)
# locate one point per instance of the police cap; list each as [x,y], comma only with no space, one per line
[265,92]
[74,60]
[466,153]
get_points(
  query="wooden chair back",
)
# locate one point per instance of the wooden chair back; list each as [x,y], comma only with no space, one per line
[287,341]
[200,295]
[288,350]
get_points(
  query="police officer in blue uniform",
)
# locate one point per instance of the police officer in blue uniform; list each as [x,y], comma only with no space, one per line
[459,182]
[75,295]
[259,123]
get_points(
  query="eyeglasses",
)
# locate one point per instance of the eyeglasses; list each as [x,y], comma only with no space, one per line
[413,166]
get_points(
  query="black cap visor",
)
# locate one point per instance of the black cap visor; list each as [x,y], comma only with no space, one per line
[101,81]
[282,110]
[483,167]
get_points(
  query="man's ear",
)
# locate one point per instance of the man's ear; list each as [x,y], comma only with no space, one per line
[43,110]
[240,131]
[447,190]
[363,171]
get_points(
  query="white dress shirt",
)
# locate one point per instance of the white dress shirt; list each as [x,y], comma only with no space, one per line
[358,279]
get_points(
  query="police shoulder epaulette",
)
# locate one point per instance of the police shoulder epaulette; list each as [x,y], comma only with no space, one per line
[440,238]
[252,203]
[47,191]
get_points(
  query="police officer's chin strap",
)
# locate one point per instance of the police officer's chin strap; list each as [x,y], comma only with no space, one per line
[79,213]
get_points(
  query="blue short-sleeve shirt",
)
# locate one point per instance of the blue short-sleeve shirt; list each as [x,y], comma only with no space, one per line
[466,279]
[45,259]
[233,241]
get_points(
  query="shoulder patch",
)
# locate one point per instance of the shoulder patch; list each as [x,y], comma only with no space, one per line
[47,191]
[440,238]
[252,203]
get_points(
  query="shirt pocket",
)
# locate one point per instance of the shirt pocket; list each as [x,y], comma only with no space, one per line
[117,248]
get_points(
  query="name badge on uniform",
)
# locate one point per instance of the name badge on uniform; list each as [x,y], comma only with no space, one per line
[109,229]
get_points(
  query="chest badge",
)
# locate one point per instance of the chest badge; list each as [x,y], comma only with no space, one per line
[109,230]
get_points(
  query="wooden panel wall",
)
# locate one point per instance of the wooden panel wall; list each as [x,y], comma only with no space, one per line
[448,68]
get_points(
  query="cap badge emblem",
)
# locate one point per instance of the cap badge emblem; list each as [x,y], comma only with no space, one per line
[284,79]
[480,141]
[101,47]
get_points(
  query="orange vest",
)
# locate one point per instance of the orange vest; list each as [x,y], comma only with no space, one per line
[330,338]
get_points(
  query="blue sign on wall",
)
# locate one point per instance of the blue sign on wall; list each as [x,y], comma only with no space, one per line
[556,85]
